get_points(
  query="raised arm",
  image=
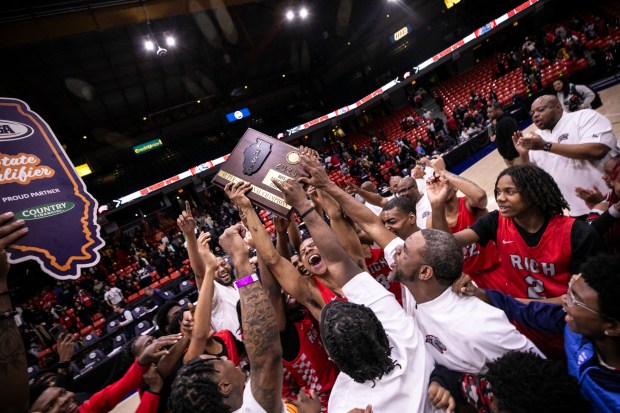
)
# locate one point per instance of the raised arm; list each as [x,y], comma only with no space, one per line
[13,374]
[294,235]
[476,196]
[261,334]
[282,225]
[343,229]
[340,266]
[368,196]
[362,216]
[274,292]
[583,151]
[201,332]
[437,190]
[187,224]
[285,272]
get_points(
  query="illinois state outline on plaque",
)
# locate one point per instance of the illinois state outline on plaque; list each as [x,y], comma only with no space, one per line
[39,184]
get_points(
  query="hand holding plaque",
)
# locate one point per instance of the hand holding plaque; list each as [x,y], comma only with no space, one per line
[260,160]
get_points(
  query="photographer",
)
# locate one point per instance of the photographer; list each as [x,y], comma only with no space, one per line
[573,97]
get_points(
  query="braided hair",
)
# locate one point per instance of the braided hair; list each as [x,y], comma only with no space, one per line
[522,382]
[356,341]
[195,390]
[537,188]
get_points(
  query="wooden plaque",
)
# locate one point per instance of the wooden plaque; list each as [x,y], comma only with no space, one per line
[258,159]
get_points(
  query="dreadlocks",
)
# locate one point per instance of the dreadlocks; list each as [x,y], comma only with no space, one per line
[524,383]
[356,341]
[195,390]
[537,188]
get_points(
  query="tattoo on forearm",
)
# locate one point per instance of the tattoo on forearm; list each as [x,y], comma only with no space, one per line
[259,322]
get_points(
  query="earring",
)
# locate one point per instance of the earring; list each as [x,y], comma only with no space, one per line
[606,332]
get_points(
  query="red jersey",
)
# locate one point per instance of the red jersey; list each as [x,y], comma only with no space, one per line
[327,294]
[311,368]
[481,262]
[542,271]
[228,340]
[380,270]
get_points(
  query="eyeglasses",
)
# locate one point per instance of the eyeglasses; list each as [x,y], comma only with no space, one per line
[571,301]
[406,189]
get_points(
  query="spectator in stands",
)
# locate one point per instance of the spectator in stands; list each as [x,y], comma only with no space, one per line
[157,295]
[572,147]
[573,97]
[126,317]
[505,128]
[112,296]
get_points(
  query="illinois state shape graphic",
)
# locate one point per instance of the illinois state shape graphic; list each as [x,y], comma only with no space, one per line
[39,184]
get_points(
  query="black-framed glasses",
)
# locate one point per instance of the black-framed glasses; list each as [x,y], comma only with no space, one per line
[406,189]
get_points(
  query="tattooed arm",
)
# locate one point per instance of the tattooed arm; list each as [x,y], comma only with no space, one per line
[13,374]
[262,338]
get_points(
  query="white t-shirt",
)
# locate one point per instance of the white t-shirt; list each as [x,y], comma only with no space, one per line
[462,333]
[113,295]
[584,126]
[250,405]
[224,309]
[423,209]
[405,388]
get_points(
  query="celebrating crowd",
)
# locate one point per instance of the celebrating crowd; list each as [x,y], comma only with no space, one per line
[357,310]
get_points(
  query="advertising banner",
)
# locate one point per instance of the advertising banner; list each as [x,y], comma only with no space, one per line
[39,184]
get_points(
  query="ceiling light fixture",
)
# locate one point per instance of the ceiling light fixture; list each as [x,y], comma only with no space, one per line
[303,13]
[151,42]
[290,15]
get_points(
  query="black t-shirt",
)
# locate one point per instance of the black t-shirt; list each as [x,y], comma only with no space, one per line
[505,128]
[584,240]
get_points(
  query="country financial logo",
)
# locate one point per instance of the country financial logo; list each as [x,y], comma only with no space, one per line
[44,211]
[563,137]
[435,342]
[255,155]
[12,131]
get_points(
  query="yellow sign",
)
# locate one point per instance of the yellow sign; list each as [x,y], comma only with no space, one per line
[83,169]
[258,191]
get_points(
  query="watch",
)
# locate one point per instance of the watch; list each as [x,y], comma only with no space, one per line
[547,146]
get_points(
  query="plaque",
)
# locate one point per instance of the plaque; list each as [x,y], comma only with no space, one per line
[258,159]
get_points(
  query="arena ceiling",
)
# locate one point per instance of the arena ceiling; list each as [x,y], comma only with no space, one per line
[82,65]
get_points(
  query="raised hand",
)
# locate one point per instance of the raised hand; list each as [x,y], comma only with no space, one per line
[441,398]
[293,193]
[352,189]
[438,189]
[281,224]
[517,140]
[186,221]
[318,177]
[232,242]
[205,250]
[157,349]
[532,141]
[64,347]
[187,324]
[438,164]
[237,193]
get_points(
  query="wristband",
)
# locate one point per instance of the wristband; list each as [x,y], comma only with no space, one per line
[302,216]
[246,280]
[62,365]
[5,292]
